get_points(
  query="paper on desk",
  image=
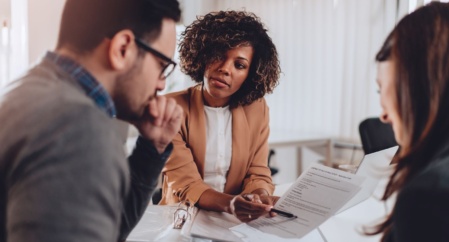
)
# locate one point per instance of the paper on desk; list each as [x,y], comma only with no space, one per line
[226,227]
[250,234]
[214,225]
[155,224]
[315,196]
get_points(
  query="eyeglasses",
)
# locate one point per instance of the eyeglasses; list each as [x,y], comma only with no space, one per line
[168,68]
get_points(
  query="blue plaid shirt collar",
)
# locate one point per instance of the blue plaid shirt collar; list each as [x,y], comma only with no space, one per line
[90,85]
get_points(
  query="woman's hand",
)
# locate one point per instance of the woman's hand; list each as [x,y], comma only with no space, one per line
[269,200]
[248,207]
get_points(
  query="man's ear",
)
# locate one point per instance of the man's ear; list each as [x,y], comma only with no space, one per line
[122,50]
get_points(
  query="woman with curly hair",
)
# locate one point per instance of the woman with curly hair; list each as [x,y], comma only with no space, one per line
[220,155]
[413,78]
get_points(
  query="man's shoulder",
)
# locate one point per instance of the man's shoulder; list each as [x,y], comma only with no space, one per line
[43,84]
[433,177]
[39,101]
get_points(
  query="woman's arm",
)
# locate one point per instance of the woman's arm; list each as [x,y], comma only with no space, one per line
[182,179]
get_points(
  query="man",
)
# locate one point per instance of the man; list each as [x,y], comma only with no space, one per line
[63,170]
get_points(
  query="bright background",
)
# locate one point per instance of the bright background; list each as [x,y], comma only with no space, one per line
[326,50]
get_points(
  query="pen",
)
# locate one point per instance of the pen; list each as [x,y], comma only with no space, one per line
[282,213]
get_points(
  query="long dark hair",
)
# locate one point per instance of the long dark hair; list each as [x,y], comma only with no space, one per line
[419,49]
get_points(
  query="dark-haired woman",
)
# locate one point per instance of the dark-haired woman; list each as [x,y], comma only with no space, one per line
[219,161]
[413,79]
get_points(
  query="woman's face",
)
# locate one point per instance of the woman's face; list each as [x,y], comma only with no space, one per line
[388,99]
[224,77]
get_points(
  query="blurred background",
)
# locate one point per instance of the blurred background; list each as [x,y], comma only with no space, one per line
[326,50]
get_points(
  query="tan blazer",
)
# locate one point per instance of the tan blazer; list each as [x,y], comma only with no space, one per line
[184,171]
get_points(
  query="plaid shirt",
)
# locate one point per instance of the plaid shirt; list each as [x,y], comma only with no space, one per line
[91,86]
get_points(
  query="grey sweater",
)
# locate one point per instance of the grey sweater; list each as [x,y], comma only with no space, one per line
[64,175]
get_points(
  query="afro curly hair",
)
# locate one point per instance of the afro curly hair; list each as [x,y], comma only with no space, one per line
[208,39]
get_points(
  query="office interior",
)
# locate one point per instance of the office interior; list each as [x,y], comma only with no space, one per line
[326,49]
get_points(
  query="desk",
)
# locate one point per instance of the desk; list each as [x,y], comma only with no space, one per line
[156,223]
[342,227]
[282,139]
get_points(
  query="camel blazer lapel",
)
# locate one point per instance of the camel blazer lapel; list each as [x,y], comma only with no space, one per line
[240,147]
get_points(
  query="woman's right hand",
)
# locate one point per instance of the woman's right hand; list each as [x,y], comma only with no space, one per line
[248,207]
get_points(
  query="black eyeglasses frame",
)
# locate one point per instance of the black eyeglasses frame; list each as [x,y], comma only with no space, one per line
[167,69]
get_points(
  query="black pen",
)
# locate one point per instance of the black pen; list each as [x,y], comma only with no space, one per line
[282,213]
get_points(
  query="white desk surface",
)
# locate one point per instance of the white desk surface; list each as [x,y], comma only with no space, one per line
[347,226]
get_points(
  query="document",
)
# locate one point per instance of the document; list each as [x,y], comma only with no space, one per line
[156,223]
[315,196]
[374,167]
[250,234]
[226,227]
[215,226]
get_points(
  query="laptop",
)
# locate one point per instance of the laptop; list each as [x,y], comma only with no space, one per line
[374,167]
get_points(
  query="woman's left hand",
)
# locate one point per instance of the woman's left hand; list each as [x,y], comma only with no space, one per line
[248,207]
[271,200]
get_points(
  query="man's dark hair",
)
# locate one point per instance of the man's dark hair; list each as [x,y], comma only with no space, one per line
[85,23]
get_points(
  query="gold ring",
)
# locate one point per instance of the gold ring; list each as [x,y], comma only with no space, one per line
[249,216]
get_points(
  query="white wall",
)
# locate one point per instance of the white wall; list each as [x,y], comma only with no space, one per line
[44,17]
[327,54]
[5,7]
[5,16]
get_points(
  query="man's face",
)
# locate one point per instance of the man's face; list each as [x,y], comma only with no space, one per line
[140,84]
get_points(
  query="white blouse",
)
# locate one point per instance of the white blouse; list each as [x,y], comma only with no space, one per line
[218,146]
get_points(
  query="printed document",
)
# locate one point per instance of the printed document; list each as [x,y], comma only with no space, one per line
[316,195]
[226,227]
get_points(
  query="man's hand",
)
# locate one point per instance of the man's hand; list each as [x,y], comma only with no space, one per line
[161,122]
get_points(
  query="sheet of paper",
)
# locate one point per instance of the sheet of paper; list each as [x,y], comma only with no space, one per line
[226,227]
[374,167]
[316,195]
[249,234]
[214,225]
[156,223]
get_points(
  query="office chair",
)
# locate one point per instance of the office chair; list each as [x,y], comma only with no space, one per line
[273,170]
[376,135]
[157,196]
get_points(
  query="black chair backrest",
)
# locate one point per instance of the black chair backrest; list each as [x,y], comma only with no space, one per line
[273,170]
[376,135]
